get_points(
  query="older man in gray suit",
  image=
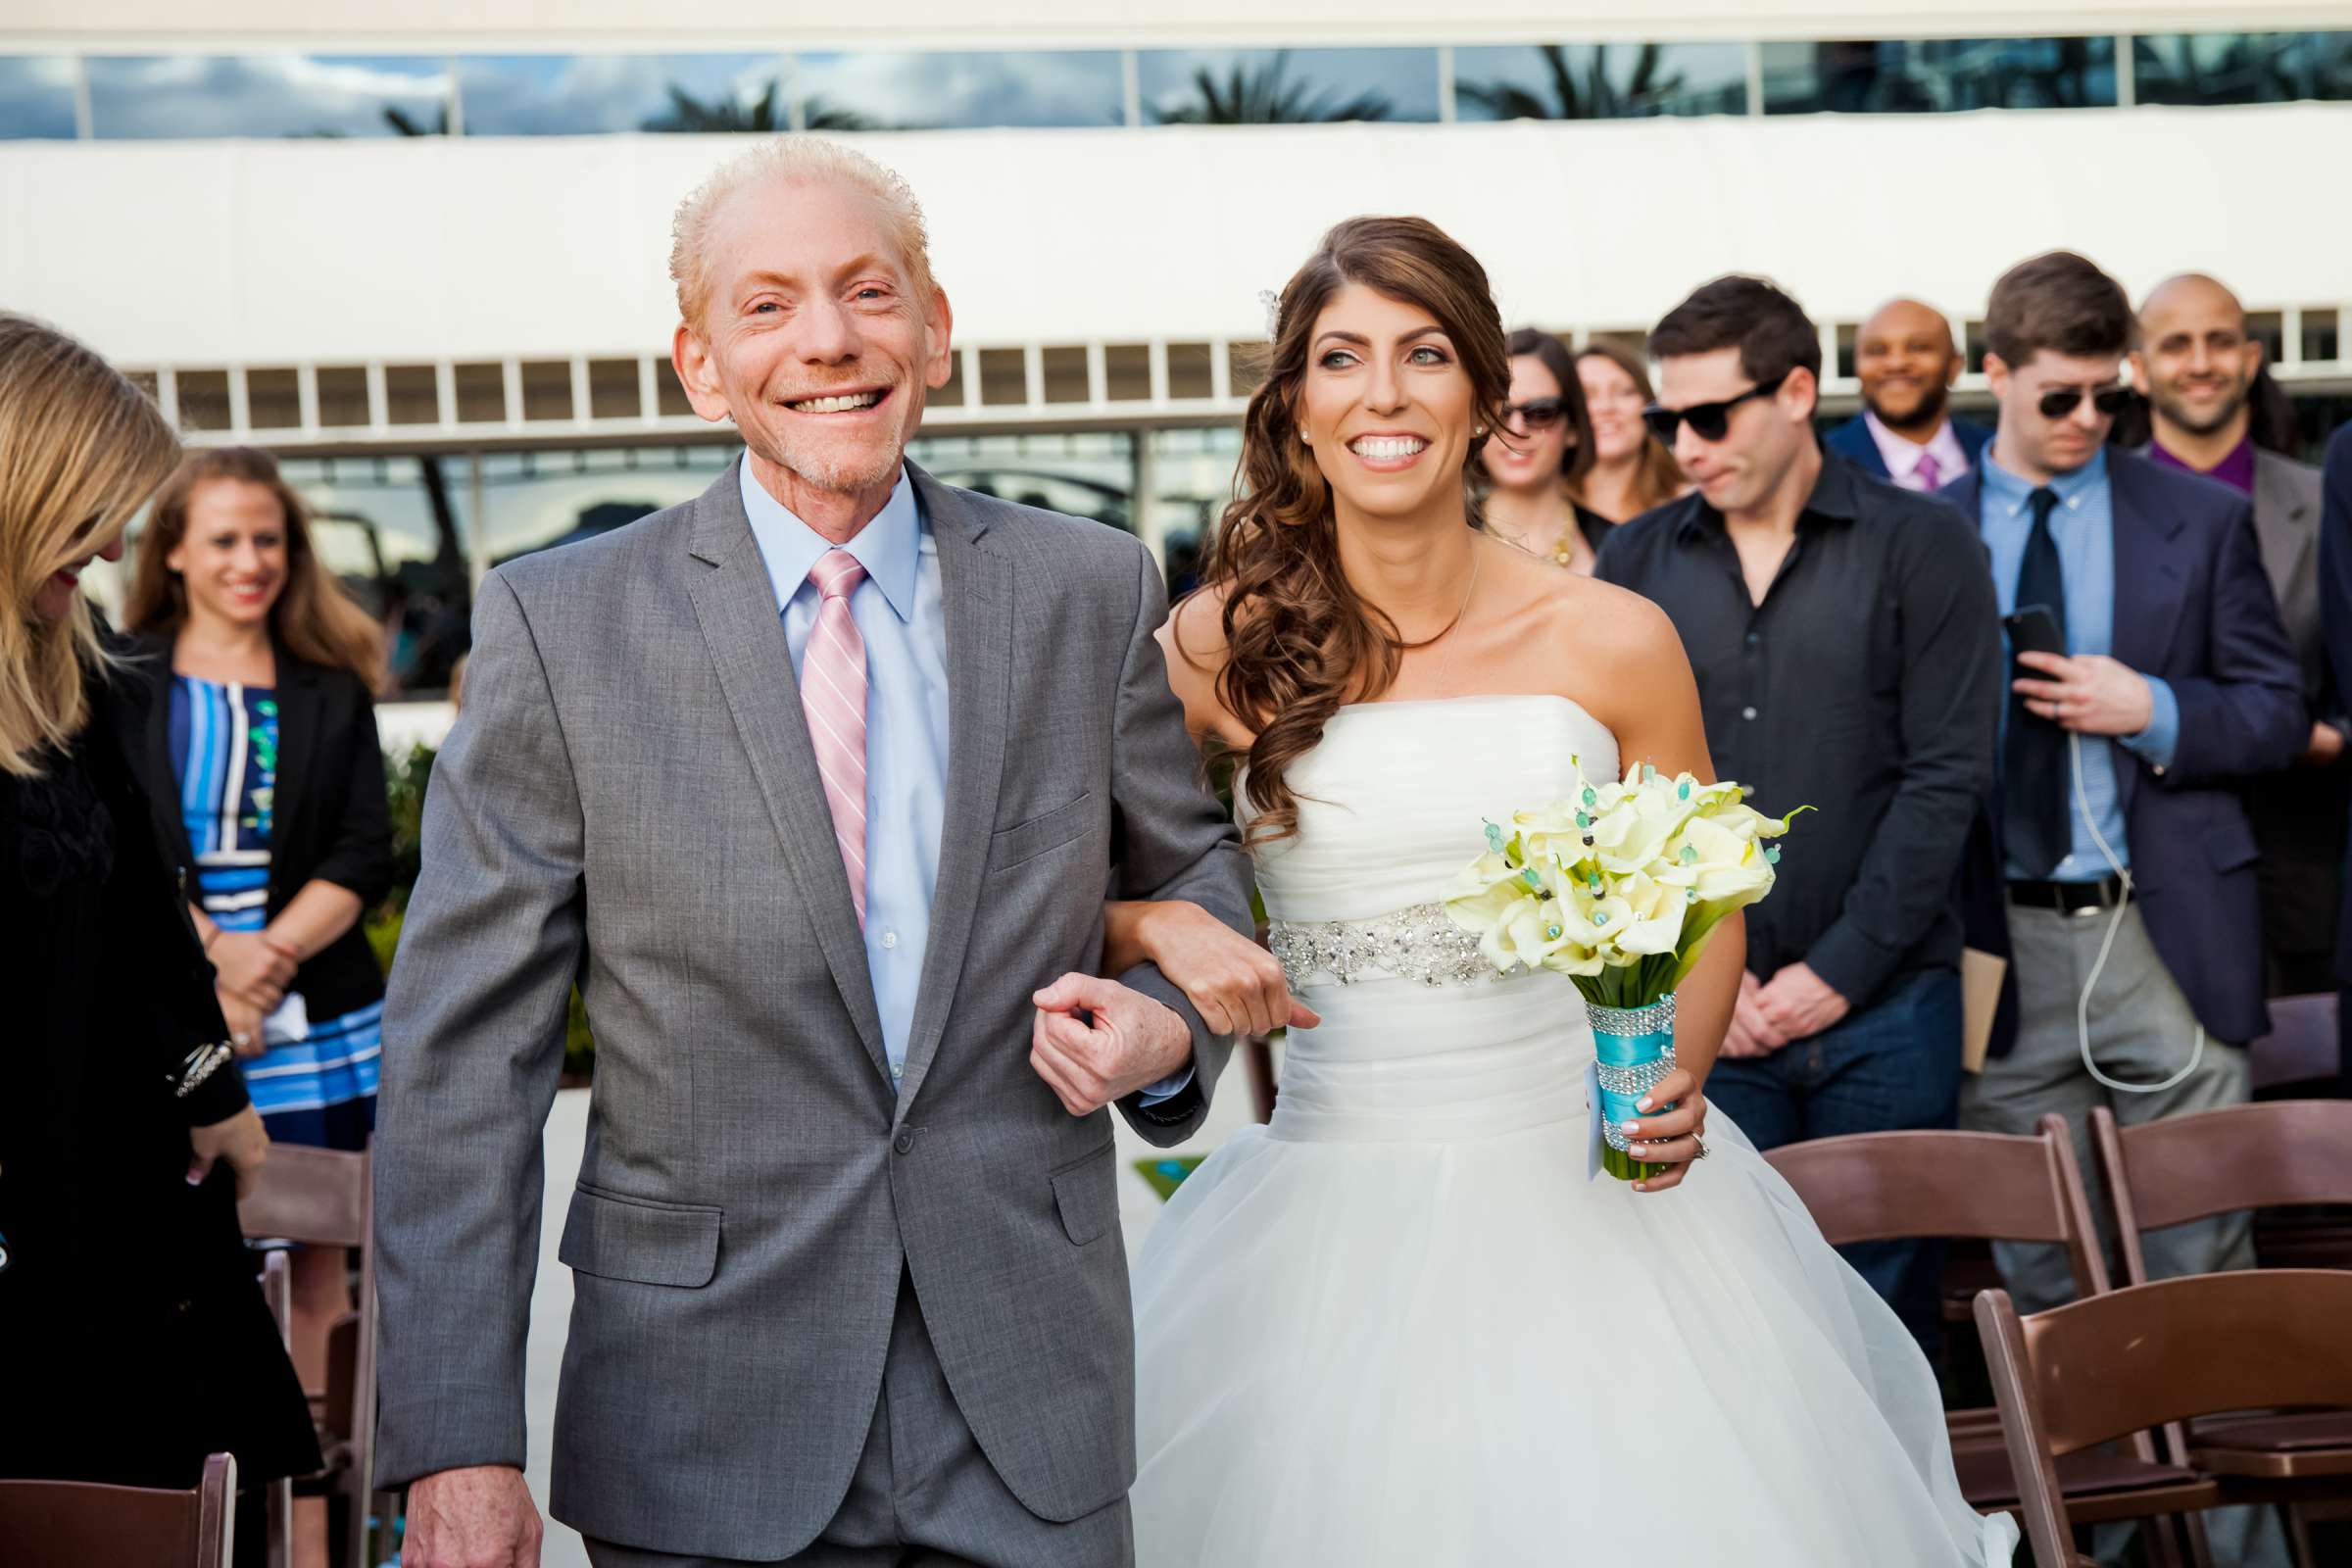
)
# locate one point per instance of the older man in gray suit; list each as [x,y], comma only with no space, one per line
[816,785]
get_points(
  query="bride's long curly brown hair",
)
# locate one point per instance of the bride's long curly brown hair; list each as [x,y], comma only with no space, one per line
[1301,641]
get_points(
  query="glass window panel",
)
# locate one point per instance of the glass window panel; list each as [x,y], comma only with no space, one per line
[536,500]
[273,400]
[1192,474]
[2319,328]
[393,530]
[203,400]
[547,389]
[578,95]
[412,395]
[945,91]
[1245,365]
[669,393]
[951,396]
[1003,377]
[613,389]
[1085,475]
[36,98]
[1286,86]
[342,397]
[179,96]
[2242,68]
[1923,75]
[481,394]
[1065,375]
[1127,373]
[2268,328]
[1188,374]
[1599,81]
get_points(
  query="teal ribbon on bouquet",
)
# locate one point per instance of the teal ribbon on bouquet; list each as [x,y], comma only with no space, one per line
[1633,1048]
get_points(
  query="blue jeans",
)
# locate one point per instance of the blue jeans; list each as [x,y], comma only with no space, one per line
[1892,1065]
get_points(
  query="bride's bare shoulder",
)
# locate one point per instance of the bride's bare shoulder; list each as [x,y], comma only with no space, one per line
[1608,648]
[1192,641]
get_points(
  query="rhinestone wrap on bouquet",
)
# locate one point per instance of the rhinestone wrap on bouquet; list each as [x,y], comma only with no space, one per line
[1421,943]
[1633,1050]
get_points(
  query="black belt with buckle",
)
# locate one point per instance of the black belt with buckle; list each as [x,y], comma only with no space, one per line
[2069,898]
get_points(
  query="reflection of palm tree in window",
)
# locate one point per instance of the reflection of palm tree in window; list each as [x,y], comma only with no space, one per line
[404,123]
[818,115]
[1267,96]
[720,117]
[1596,98]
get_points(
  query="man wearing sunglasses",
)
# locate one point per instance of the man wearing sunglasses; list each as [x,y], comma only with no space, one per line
[1843,633]
[2121,756]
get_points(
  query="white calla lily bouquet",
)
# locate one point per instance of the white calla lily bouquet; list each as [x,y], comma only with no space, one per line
[1618,886]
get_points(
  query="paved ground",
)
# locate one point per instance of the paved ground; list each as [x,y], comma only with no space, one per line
[551,1301]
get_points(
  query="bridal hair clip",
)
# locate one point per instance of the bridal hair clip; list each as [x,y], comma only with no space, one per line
[1273,304]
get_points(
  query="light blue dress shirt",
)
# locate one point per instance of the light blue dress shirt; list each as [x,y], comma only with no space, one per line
[2083,526]
[898,615]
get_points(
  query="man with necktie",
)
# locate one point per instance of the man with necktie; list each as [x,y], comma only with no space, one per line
[2118,820]
[1907,433]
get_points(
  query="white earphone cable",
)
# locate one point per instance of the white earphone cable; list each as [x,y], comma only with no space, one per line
[2074,743]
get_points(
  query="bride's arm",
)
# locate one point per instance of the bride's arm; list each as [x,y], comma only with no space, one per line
[1653,703]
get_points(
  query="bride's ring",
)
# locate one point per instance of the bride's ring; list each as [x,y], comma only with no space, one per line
[1701,1145]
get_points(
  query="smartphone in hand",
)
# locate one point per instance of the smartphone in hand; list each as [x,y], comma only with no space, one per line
[2034,629]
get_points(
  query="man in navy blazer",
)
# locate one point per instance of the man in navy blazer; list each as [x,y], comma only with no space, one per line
[1906,432]
[2335,621]
[2128,862]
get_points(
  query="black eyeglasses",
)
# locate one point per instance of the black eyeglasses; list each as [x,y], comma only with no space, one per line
[1540,413]
[2060,400]
[1709,421]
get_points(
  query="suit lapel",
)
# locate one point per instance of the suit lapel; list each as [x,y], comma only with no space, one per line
[2150,581]
[736,606]
[300,708]
[976,591]
[2284,525]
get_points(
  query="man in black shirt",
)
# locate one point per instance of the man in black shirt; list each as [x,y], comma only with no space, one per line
[1847,649]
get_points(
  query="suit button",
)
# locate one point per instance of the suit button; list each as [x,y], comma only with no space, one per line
[904,1144]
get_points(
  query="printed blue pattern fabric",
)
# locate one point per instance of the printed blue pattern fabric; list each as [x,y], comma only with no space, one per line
[320,1090]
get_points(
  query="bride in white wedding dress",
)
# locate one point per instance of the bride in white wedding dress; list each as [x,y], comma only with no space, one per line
[1399,1325]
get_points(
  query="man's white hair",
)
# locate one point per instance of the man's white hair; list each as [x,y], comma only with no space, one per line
[811,158]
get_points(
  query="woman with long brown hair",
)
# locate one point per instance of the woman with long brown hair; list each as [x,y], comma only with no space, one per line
[135,1338]
[1538,458]
[261,748]
[1382,1329]
[1632,471]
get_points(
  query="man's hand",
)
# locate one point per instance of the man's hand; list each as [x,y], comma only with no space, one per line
[2087,693]
[1750,1034]
[481,1516]
[2326,748]
[1126,1043]
[1800,1003]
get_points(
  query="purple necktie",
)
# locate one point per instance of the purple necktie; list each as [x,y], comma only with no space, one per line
[1929,474]
[833,696]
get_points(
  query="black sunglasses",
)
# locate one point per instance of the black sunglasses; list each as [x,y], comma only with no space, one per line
[2060,400]
[1709,421]
[1540,413]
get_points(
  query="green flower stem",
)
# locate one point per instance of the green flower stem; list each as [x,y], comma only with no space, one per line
[1625,1167]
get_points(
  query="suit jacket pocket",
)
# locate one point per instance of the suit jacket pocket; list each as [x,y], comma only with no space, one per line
[637,1239]
[1087,1196]
[1026,841]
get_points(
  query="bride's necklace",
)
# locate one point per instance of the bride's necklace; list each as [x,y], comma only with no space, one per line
[1436,679]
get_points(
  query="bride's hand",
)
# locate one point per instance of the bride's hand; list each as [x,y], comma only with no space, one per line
[1671,1137]
[1236,984]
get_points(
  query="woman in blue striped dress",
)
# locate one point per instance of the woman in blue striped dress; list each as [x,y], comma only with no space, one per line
[264,764]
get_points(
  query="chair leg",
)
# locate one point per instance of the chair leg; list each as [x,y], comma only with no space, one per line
[2164,1541]
[2298,1534]
[278,1552]
[2200,1549]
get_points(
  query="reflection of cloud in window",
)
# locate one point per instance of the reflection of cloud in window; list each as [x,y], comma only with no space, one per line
[924,90]
[1313,83]
[36,96]
[555,95]
[284,95]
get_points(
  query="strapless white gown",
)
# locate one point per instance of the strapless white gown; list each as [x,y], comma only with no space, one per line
[1399,1326]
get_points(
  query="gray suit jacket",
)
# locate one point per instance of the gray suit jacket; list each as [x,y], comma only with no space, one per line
[2286,519]
[630,799]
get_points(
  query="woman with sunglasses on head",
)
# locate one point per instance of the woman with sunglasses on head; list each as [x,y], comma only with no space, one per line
[133,1339]
[1632,471]
[1542,450]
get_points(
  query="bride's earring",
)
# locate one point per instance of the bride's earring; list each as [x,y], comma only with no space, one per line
[1308,439]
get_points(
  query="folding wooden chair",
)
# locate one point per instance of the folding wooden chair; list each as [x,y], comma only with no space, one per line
[2152,1355]
[327,1197]
[75,1523]
[2303,1046]
[1873,1187]
[2273,1153]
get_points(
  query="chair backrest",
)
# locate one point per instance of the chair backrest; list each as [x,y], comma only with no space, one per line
[72,1524]
[1873,1187]
[2303,1045]
[2217,1161]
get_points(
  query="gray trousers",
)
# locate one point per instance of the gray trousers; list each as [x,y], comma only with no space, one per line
[924,1496]
[2141,1031]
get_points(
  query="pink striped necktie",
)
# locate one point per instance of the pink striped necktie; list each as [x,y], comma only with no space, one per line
[833,694]
[1929,473]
